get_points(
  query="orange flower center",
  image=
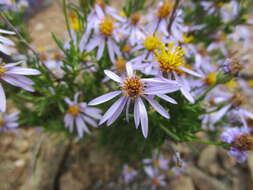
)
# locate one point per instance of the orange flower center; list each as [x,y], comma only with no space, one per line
[74,110]
[165,9]
[133,86]
[106,27]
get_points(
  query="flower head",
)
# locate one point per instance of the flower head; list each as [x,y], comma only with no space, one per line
[133,89]
[106,26]
[13,74]
[80,114]
[171,59]
[240,140]
[8,122]
[151,43]
[165,9]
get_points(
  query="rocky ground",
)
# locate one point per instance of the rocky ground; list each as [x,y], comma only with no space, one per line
[209,169]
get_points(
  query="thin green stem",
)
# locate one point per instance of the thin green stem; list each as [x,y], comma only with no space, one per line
[65,12]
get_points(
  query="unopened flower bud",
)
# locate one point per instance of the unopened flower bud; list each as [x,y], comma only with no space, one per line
[244,142]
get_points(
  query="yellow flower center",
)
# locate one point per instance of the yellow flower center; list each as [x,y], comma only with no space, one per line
[133,86]
[130,169]
[222,37]
[156,163]
[219,4]
[126,48]
[250,83]
[169,60]
[74,22]
[57,56]
[74,110]
[106,27]
[211,78]
[244,142]
[232,84]
[135,18]
[165,9]
[2,123]
[120,64]
[187,38]
[2,70]
[155,181]
[101,3]
[151,43]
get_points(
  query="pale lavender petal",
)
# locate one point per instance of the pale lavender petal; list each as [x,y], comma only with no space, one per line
[2,99]
[149,171]
[6,32]
[6,41]
[68,101]
[127,108]
[160,89]
[89,121]
[187,95]
[104,98]
[22,71]
[143,117]
[113,76]
[129,69]
[111,50]
[112,110]
[239,155]
[219,114]
[81,126]
[14,80]
[101,48]
[99,11]
[167,98]
[93,112]
[157,107]
[93,43]
[76,97]
[190,72]
[12,64]
[4,50]
[117,112]
[136,114]
[69,122]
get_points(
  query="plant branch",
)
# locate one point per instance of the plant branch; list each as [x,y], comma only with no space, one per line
[21,38]
[173,16]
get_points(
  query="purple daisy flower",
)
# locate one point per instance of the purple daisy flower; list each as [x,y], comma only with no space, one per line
[128,173]
[13,74]
[158,161]
[8,122]
[156,179]
[80,114]
[133,89]
[240,140]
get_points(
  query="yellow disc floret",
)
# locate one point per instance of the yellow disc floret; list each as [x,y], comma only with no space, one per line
[74,110]
[165,9]
[152,43]
[135,18]
[106,26]
[74,22]
[2,70]
[2,123]
[120,64]
[133,86]
[211,78]
[169,60]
